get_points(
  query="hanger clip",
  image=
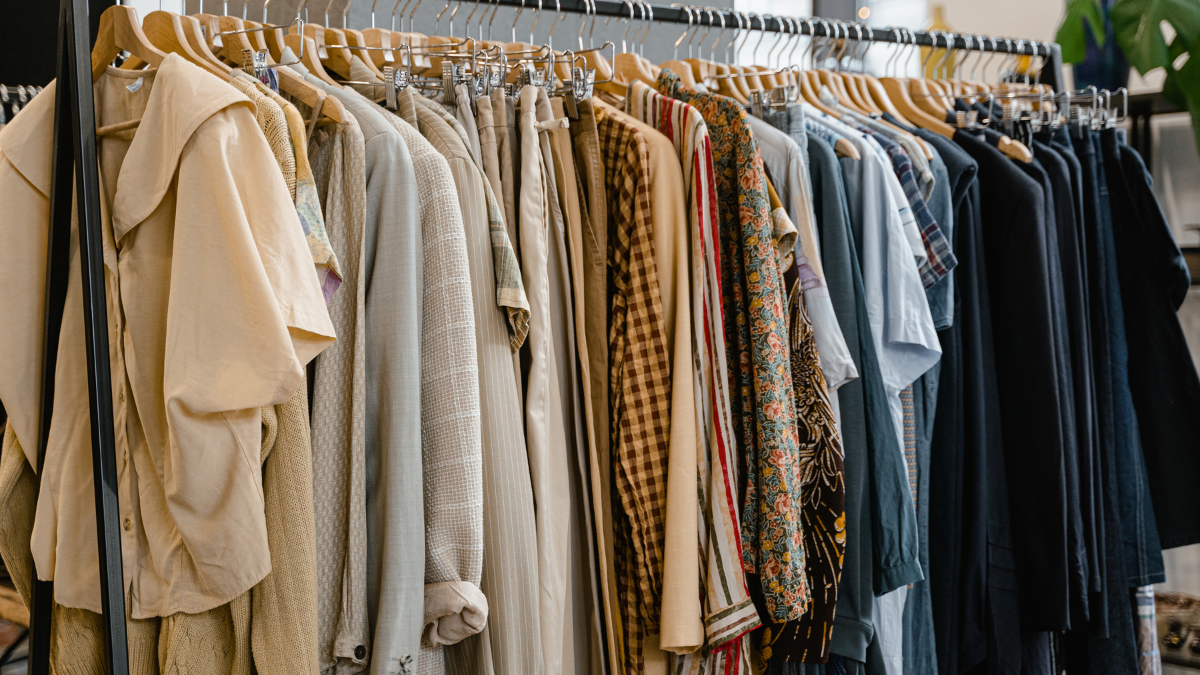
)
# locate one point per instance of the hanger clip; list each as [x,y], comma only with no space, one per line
[389,79]
[756,103]
[448,82]
[780,97]
[255,63]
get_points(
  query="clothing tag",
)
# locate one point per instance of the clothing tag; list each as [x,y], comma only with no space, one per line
[135,86]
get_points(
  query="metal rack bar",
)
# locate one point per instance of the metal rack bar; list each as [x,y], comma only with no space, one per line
[75,162]
[669,14]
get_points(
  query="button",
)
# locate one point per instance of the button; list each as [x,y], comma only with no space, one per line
[121,395]
[128,525]
[360,652]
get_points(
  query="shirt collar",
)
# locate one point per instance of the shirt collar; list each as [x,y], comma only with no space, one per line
[183,97]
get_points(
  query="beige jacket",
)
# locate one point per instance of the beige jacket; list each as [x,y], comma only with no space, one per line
[510,644]
[274,625]
[242,313]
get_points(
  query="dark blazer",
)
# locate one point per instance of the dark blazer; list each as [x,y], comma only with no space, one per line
[1029,377]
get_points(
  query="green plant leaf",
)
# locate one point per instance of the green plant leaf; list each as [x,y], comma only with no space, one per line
[1136,25]
[1187,80]
[1072,34]
[1173,92]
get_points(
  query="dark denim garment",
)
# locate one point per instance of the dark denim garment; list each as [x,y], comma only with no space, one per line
[1081,539]
[1107,647]
[920,644]
[1154,281]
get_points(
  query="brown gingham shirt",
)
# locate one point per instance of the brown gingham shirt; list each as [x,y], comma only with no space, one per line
[640,378]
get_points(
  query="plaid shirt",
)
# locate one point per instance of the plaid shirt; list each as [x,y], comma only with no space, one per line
[640,384]
[941,256]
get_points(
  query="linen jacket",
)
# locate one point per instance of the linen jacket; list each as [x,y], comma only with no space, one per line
[198,342]
[508,509]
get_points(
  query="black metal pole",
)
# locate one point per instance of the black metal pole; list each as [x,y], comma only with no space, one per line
[75,161]
[802,25]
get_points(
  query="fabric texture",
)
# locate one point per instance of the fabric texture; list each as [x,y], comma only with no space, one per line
[640,383]
[339,409]
[756,338]
[729,612]
[255,319]
[546,432]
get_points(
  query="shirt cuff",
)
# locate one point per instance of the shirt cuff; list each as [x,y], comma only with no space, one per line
[891,578]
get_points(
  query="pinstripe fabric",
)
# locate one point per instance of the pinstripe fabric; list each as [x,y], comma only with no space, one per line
[506,645]
[640,383]
[513,633]
[728,610]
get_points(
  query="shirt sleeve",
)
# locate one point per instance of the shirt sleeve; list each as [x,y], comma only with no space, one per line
[247,312]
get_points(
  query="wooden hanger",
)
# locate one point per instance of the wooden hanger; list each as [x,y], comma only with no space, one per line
[166,32]
[630,68]
[357,42]
[683,70]
[726,83]
[380,38]
[197,36]
[308,55]
[337,55]
[120,31]
[898,92]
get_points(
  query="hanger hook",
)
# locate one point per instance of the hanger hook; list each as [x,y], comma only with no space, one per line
[675,54]
[557,16]
[537,17]
[628,23]
[941,64]
[345,10]
[790,36]
[712,51]
[762,32]
[862,60]
[779,36]
[721,15]
[517,17]
[795,40]
[648,17]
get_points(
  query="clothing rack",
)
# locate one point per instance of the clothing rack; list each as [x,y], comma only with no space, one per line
[702,16]
[74,160]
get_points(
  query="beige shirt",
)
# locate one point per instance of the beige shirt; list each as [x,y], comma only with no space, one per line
[198,342]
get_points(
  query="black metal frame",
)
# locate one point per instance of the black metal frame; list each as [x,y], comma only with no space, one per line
[75,162]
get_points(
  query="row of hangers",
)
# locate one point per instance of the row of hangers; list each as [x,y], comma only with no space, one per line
[220,43]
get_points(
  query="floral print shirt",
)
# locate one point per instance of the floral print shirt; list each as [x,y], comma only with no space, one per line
[757,345]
